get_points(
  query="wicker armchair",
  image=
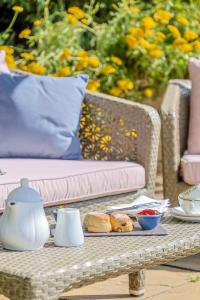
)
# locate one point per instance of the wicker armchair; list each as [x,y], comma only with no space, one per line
[175,120]
[117,121]
[108,130]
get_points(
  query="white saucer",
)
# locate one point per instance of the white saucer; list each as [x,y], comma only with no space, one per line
[178,213]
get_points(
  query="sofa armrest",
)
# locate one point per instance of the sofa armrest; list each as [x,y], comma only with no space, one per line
[175,121]
[108,130]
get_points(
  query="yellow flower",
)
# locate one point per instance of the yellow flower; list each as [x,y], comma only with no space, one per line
[197,45]
[131,41]
[38,22]
[163,16]
[93,61]
[85,21]
[186,48]
[27,56]
[182,20]
[77,12]
[115,91]
[156,53]
[65,71]
[125,84]
[83,121]
[116,60]
[160,36]
[10,61]
[92,132]
[82,63]
[93,85]
[66,54]
[131,133]
[7,49]
[146,45]
[81,53]
[17,8]
[183,45]
[36,68]
[136,32]
[23,67]
[108,70]
[104,143]
[147,32]
[71,19]
[148,22]
[178,42]
[148,92]
[190,35]
[24,33]
[175,32]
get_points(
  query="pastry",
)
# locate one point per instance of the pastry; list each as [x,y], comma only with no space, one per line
[97,222]
[120,222]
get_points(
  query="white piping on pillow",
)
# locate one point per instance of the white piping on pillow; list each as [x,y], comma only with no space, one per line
[3,66]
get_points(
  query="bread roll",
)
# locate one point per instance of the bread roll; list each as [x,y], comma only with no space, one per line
[97,222]
[120,222]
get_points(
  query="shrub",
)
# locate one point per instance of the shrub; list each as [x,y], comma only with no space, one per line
[131,55]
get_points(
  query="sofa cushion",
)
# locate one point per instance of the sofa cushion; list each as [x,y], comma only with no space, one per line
[190,166]
[40,116]
[194,123]
[61,181]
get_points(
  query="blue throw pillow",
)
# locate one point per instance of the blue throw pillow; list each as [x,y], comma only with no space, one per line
[40,116]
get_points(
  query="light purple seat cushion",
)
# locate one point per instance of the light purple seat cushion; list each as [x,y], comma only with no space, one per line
[40,115]
[194,123]
[190,166]
[61,181]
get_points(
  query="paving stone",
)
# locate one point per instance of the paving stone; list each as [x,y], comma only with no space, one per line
[162,281]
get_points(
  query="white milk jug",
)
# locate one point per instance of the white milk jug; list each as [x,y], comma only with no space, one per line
[23,225]
[68,232]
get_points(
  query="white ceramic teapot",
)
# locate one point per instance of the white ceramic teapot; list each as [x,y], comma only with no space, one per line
[23,225]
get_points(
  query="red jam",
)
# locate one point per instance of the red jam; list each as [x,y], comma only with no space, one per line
[148,212]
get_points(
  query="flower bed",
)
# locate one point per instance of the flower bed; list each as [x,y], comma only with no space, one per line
[131,55]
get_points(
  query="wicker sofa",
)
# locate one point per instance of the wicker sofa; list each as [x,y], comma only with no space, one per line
[107,133]
[175,121]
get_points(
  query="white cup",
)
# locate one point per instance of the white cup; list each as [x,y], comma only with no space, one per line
[68,232]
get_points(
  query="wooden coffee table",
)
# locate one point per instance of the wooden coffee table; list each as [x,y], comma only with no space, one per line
[46,273]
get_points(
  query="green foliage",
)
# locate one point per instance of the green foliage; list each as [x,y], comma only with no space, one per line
[131,47]
[195,279]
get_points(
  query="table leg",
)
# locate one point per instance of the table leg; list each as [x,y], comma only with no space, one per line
[136,283]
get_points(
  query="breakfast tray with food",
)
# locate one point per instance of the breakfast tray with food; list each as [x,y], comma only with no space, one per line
[137,231]
[120,224]
[135,219]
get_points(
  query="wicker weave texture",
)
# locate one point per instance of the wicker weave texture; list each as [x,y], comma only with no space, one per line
[137,283]
[112,114]
[175,121]
[46,273]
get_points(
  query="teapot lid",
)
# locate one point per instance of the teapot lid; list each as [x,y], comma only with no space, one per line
[24,193]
